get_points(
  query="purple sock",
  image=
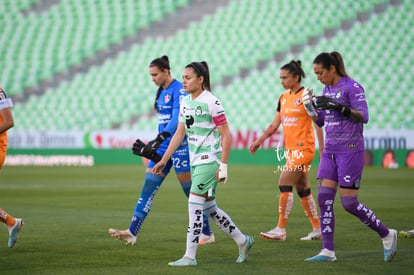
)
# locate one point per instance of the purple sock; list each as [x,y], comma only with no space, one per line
[353,206]
[326,199]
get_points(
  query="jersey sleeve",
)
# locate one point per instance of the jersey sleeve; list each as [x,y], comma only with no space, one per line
[278,104]
[217,113]
[357,100]
[4,101]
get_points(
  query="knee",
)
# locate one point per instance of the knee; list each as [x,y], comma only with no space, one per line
[350,204]
[304,193]
[285,188]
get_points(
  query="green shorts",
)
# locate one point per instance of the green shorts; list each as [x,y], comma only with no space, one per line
[204,180]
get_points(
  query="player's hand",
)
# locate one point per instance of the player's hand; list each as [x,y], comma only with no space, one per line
[221,174]
[253,147]
[308,102]
[138,148]
[326,103]
[157,169]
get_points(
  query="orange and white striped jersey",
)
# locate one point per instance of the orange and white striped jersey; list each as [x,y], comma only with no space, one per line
[297,124]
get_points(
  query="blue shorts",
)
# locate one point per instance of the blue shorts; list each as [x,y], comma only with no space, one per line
[180,159]
[345,168]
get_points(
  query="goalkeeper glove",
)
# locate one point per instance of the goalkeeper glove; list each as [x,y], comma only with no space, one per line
[222,173]
[308,102]
[138,149]
[155,143]
[326,103]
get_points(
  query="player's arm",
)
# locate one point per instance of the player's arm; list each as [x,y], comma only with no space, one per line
[225,144]
[357,109]
[172,147]
[5,110]
[271,129]
[8,121]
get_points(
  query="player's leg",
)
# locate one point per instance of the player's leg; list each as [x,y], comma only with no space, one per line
[221,218]
[14,225]
[309,206]
[287,179]
[349,180]
[181,163]
[328,177]
[226,224]
[152,183]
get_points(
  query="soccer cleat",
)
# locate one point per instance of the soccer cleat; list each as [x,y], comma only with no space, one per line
[314,235]
[274,234]
[124,235]
[407,234]
[14,231]
[390,245]
[324,256]
[206,239]
[183,262]
[244,250]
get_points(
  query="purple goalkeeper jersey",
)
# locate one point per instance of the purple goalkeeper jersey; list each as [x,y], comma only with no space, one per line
[342,133]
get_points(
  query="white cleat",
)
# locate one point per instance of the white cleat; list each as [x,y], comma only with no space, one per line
[274,234]
[14,232]
[390,245]
[314,235]
[206,239]
[123,235]
[183,262]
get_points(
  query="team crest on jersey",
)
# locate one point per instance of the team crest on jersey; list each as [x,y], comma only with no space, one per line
[297,102]
[167,98]
[198,111]
[338,94]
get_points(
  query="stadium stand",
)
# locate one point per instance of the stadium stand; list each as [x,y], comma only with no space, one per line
[244,42]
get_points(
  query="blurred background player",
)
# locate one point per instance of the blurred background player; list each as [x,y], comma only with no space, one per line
[300,147]
[343,110]
[167,105]
[407,234]
[14,225]
[203,121]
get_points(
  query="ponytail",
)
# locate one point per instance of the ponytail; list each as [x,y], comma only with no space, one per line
[334,58]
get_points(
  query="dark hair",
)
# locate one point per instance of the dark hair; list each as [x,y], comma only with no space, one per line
[295,68]
[201,69]
[163,64]
[334,58]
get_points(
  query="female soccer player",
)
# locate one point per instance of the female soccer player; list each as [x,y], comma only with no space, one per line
[300,151]
[14,225]
[203,120]
[167,105]
[343,110]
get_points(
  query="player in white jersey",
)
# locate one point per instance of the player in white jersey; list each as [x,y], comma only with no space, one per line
[203,120]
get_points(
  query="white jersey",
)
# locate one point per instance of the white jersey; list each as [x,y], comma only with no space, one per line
[201,118]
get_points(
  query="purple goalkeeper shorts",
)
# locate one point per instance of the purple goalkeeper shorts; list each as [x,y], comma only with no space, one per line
[345,168]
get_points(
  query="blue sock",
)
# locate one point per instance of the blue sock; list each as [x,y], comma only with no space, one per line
[151,186]
[186,186]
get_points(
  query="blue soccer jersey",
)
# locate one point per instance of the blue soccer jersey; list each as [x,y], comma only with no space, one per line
[168,109]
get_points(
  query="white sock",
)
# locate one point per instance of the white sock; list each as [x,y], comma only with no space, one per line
[224,222]
[195,224]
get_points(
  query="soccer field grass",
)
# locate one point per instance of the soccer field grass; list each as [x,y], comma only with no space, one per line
[67,213]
